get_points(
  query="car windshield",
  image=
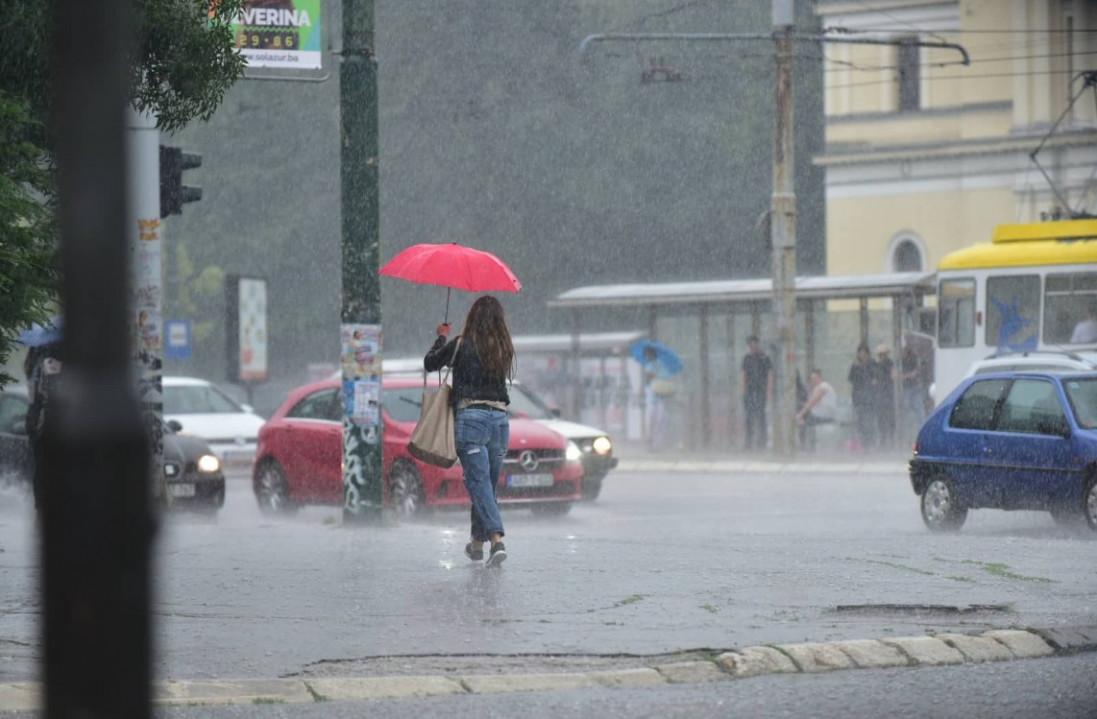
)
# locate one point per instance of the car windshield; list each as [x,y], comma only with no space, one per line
[524,403]
[403,404]
[198,399]
[1083,398]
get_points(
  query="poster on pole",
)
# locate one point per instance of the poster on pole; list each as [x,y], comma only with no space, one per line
[280,34]
[360,359]
[246,328]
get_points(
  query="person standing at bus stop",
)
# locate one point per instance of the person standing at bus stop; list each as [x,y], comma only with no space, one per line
[862,380]
[757,386]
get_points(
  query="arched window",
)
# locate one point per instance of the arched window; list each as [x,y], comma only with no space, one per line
[907,254]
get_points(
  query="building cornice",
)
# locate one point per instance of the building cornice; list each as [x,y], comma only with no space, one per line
[961,148]
[951,111]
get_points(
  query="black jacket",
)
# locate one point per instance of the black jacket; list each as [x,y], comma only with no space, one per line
[469,380]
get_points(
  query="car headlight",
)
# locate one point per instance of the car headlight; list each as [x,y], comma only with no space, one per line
[208,464]
[603,446]
[573,453]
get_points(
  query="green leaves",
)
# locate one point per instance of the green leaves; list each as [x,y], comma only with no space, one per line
[28,267]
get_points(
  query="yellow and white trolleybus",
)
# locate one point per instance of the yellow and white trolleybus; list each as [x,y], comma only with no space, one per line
[1033,288]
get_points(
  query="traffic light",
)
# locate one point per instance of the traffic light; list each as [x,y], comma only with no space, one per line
[173,193]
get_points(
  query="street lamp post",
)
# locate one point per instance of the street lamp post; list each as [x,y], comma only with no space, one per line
[360,331]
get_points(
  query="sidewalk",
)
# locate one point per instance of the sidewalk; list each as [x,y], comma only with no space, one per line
[636,458]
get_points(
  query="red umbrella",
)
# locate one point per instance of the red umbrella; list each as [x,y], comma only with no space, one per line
[452,266]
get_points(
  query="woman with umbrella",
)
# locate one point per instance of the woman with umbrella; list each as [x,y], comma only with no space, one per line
[482,358]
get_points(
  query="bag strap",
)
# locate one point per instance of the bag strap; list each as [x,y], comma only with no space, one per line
[453,361]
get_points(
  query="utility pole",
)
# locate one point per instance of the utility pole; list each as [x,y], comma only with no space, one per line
[360,331]
[783,233]
[146,283]
[95,521]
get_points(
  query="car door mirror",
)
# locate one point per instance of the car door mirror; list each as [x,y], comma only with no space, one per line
[175,426]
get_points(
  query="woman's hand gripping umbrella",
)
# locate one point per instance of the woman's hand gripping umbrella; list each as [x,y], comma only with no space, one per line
[454,267]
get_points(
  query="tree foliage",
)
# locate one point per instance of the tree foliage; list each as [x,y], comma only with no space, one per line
[183,61]
[27,249]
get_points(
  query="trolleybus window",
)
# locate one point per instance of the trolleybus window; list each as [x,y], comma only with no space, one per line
[1013,312]
[1070,308]
[956,313]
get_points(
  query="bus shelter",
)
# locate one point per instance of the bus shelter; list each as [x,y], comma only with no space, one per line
[708,322]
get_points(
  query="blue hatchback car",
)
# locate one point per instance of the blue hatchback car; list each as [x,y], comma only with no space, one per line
[1012,440]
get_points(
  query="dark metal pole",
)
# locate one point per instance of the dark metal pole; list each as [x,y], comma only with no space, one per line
[95,523]
[363,483]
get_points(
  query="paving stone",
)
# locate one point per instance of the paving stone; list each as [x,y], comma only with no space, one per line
[871,654]
[926,651]
[1024,645]
[358,688]
[977,649]
[755,661]
[502,683]
[242,691]
[1070,639]
[640,677]
[815,657]
[691,672]
[19,697]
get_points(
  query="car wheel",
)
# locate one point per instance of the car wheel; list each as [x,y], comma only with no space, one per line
[551,509]
[592,487]
[1089,502]
[272,490]
[941,510]
[406,490]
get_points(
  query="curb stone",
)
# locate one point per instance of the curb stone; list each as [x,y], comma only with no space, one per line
[815,657]
[1024,645]
[926,651]
[396,687]
[942,649]
[753,661]
[871,654]
[691,672]
[977,649]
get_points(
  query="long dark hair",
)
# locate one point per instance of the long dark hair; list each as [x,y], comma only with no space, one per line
[486,329]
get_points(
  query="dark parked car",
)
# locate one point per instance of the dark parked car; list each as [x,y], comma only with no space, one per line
[192,472]
[1011,440]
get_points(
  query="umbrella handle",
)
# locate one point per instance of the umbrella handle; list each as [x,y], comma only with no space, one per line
[448,292]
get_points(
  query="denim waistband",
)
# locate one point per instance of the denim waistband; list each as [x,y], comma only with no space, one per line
[483,407]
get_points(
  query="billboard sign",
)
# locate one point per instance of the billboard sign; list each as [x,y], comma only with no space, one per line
[280,34]
[246,328]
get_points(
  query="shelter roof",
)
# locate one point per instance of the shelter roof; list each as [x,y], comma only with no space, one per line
[747,290]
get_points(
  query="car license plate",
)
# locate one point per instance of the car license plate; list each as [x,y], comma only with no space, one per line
[530,480]
[181,490]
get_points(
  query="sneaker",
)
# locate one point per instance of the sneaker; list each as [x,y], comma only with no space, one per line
[498,554]
[476,554]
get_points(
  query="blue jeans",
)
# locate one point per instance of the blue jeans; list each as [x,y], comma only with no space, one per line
[482,438]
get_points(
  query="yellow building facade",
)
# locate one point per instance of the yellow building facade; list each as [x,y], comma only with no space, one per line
[925,155]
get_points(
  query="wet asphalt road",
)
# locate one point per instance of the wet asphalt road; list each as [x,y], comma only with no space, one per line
[663,562]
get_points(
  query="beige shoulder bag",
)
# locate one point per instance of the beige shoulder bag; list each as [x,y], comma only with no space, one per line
[433,440]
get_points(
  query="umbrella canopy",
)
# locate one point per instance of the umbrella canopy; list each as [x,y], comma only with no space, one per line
[37,335]
[454,266]
[667,359]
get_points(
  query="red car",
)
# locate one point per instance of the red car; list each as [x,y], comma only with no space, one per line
[299,458]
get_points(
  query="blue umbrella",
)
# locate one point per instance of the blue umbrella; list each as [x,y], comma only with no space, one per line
[38,335]
[667,359]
